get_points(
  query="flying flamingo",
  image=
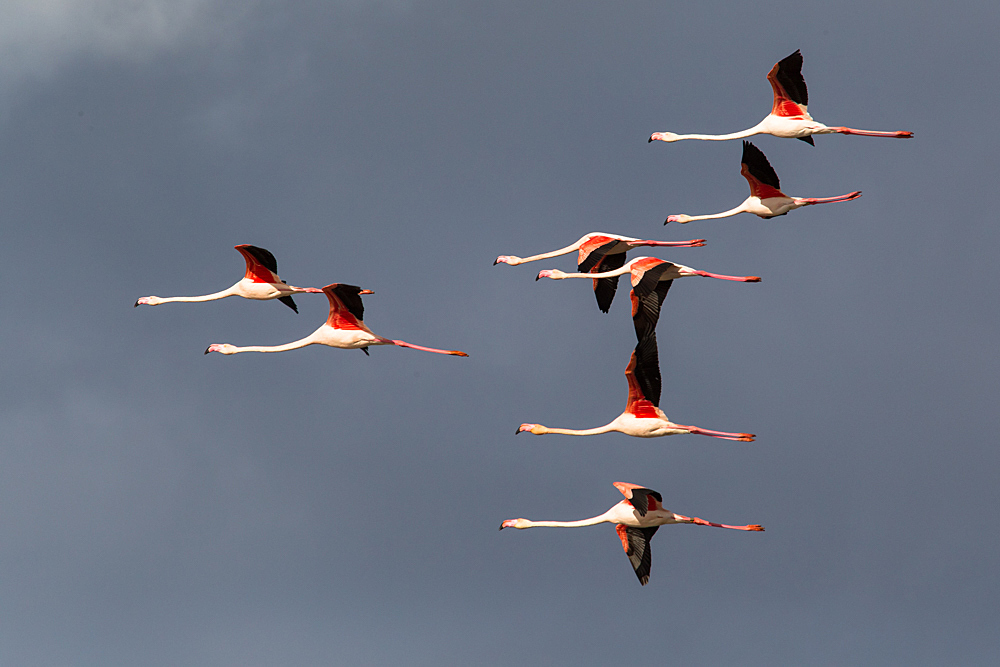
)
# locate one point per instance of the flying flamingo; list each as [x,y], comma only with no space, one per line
[637,518]
[642,417]
[766,200]
[789,117]
[645,268]
[344,328]
[260,282]
[600,252]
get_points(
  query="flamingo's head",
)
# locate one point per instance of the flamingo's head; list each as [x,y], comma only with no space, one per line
[678,218]
[663,136]
[555,274]
[513,260]
[535,429]
[515,523]
[756,527]
[223,348]
[147,301]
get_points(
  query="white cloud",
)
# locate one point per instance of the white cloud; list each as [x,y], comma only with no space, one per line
[37,36]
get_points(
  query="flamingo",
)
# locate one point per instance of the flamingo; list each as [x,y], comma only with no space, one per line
[344,328]
[636,520]
[789,117]
[260,282]
[645,268]
[766,200]
[600,252]
[642,417]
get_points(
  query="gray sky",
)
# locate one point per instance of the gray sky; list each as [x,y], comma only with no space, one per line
[161,507]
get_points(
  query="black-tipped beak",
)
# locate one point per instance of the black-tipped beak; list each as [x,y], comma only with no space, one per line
[650,140]
[495,262]
[537,277]
[666,221]
[501,526]
[207,349]
[136,304]
[518,430]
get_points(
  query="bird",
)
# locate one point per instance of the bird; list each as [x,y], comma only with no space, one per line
[260,282]
[344,328]
[636,520]
[645,268]
[789,116]
[642,417]
[766,199]
[600,252]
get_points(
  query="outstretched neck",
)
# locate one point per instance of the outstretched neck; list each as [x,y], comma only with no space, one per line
[607,428]
[670,136]
[554,253]
[294,345]
[682,218]
[592,521]
[155,300]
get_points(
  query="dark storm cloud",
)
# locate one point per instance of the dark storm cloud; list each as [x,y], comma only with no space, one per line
[319,506]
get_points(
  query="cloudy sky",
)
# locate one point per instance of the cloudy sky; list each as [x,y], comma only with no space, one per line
[161,507]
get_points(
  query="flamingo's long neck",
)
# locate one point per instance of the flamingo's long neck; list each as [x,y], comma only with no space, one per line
[607,274]
[607,428]
[294,345]
[725,214]
[592,521]
[749,132]
[554,253]
[192,299]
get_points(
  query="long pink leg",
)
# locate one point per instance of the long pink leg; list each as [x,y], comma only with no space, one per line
[809,201]
[742,279]
[741,437]
[693,243]
[873,133]
[702,522]
[402,343]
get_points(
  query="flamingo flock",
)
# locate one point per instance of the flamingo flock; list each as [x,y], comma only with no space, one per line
[601,257]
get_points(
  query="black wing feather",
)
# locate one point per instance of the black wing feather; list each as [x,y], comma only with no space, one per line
[640,499]
[650,293]
[350,295]
[647,369]
[595,256]
[759,167]
[790,77]
[606,287]
[638,551]
[808,140]
[264,257]
[287,300]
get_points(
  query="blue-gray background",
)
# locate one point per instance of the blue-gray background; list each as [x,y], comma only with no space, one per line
[160,507]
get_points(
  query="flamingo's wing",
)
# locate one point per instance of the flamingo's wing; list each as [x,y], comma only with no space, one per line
[641,498]
[647,299]
[605,288]
[636,544]
[593,251]
[261,265]
[759,173]
[639,403]
[346,308]
[791,98]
